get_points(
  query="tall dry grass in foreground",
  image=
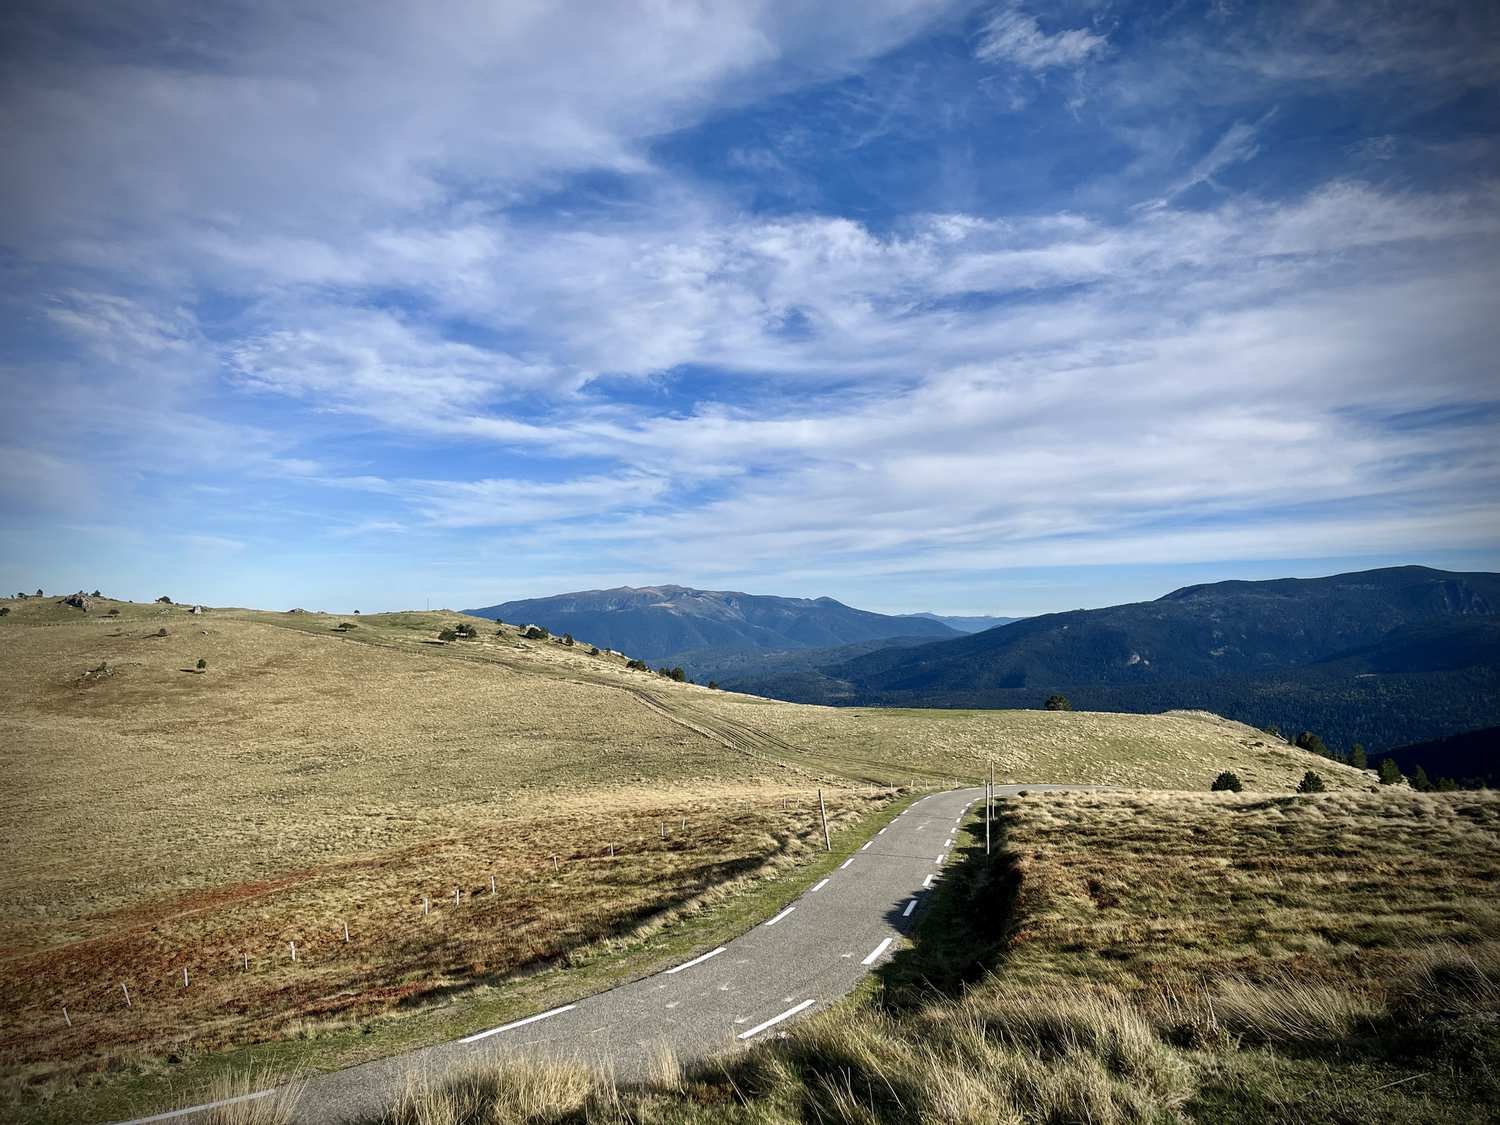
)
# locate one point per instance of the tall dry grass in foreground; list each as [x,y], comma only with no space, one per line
[1173,957]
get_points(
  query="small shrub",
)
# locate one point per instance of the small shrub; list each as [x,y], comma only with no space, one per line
[1390,773]
[4,611]
[113,613]
[1057,703]
[1310,783]
[162,632]
[535,633]
[593,650]
[39,592]
[568,639]
[96,594]
[447,635]
[638,665]
[1226,782]
[163,600]
[465,631]
[1313,744]
[202,663]
[713,685]
[678,674]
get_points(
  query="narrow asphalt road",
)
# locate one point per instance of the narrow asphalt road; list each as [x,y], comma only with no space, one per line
[793,964]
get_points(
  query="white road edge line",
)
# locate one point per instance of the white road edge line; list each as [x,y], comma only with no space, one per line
[910,906]
[780,916]
[819,887]
[879,949]
[867,844]
[927,882]
[198,1108]
[948,843]
[697,960]
[941,858]
[774,1020]
[882,831]
[517,1023]
[846,863]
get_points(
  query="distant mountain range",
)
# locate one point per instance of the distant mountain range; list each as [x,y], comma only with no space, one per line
[666,623]
[1382,657]
[965,624]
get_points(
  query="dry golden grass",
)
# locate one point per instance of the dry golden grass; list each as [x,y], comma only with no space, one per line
[160,817]
[1174,957]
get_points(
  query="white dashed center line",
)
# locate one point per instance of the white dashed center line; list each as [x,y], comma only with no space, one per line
[774,1020]
[879,949]
[517,1023]
[696,960]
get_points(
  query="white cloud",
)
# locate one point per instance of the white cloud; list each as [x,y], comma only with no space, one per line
[1015,37]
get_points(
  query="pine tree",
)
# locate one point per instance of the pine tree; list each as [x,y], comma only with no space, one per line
[1310,783]
[1390,773]
[1357,757]
[1226,782]
[1420,781]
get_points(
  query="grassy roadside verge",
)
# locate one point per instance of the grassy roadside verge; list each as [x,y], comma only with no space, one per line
[589,970]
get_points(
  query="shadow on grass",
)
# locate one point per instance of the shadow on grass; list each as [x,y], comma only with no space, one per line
[962,931]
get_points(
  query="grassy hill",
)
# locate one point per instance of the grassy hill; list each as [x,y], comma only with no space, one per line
[324,771]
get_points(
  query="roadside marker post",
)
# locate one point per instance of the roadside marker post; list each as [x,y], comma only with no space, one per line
[66,1016]
[184,976]
[823,812]
[126,991]
[292,945]
[346,933]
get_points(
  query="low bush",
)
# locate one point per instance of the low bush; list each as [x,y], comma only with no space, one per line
[447,635]
[1227,782]
[202,663]
[1310,783]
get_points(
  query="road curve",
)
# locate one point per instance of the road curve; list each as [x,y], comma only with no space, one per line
[795,963]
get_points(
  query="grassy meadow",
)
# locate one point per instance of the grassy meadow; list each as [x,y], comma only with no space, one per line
[1132,958]
[323,771]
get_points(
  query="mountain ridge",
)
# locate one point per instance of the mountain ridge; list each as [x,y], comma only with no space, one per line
[661,622]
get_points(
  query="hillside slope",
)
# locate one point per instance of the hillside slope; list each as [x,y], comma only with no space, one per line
[1381,656]
[656,623]
[322,771]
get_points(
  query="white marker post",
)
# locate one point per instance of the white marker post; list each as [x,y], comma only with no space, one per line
[346,933]
[66,1016]
[126,991]
[184,976]
[823,811]
[292,945]
[989,808]
[247,961]
[492,886]
[455,896]
[426,906]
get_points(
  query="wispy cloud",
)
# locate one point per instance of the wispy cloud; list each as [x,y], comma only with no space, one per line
[1013,36]
[672,290]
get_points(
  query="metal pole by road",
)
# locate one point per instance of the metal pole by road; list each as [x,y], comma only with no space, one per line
[827,843]
[989,808]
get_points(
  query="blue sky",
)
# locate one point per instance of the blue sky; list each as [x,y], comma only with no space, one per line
[993,307]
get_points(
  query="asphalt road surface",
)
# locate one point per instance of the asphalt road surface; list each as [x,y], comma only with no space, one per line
[791,965]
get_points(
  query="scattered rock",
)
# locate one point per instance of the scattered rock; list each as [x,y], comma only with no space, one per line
[94,675]
[79,600]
